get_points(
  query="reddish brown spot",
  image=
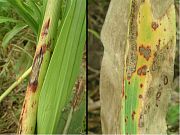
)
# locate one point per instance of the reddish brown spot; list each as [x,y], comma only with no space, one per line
[78,93]
[33,83]
[45,28]
[140,96]
[133,114]
[123,92]
[164,29]
[44,47]
[154,25]
[123,88]
[141,85]
[33,86]
[159,41]
[142,70]
[145,51]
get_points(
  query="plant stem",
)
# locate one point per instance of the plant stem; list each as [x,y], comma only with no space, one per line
[41,60]
[19,80]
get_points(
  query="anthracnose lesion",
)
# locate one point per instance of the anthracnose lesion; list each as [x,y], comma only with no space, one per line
[36,67]
[132,57]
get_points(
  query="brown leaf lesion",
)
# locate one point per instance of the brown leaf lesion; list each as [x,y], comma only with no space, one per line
[145,52]
[78,94]
[45,28]
[33,83]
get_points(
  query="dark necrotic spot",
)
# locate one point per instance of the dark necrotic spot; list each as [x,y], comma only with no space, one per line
[133,114]
[45,28]
[141,121]
[158,95]
[145,52]
[159,42]
[142,70]
[139,71]
[165,80]
[35,69]
[140,96]
[154,25]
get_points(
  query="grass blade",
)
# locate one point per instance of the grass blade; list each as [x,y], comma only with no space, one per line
[25,14]
[12,33]
[7,19]
[16,83]
[36,10]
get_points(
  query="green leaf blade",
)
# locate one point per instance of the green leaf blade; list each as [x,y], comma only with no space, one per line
[12,33]
[63,69]
[7,19]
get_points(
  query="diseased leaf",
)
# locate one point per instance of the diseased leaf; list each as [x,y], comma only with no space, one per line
[28,117]
[142,92]
[76,126]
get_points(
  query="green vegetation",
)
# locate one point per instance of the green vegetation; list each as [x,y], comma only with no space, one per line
[59,32]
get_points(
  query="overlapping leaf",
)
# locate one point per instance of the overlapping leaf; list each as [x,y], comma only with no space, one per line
[63,69]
